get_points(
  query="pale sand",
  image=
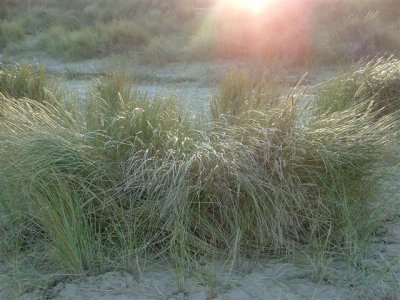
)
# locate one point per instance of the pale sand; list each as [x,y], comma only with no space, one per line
[261,279]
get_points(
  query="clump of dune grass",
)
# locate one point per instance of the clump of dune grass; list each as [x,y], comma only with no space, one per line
[51,199]
[375,83]
[128,118]
[94,41]
[240,94]
[71,188]
[10,32]
[140,178]
[79,44]
[27,81]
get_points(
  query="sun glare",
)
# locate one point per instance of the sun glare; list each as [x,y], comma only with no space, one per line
[255,6]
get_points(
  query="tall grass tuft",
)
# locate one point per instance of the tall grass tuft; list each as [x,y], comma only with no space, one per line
[375,83]
[25,81]
[239,95]
[132,120]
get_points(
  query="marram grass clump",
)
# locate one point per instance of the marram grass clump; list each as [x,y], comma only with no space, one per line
[239,94]
[375,83]
[141,178]
[27,81]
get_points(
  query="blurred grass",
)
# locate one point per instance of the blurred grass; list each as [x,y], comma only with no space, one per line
[305,32]
[10,32]
[91,42]
[84,29]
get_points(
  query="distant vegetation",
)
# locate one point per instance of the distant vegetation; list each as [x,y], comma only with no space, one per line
[137,178]
[294,32]
[76,30]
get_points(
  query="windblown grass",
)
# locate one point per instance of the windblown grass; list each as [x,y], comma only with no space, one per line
[139,178]
[374,83]
[26,81]
[240,95]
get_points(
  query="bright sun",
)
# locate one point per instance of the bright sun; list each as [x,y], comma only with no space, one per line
[252,5]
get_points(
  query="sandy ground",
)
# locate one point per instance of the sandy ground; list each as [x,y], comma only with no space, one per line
[194,83]
[263,279]
[266,281]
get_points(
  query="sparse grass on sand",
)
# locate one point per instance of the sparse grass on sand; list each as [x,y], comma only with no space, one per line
[141,178]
